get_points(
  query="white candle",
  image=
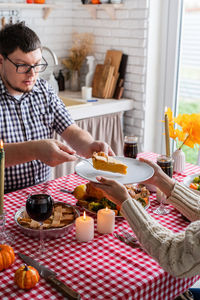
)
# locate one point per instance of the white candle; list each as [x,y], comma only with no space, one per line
[167,143]
[105,220]
[84,228]
[2,167]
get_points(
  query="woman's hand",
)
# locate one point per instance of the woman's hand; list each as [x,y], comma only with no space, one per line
[159,178]
[157,171]
[112,189]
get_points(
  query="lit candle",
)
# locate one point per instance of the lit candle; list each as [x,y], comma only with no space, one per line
[167,133]
[105,220]
[84,228]
[2,166]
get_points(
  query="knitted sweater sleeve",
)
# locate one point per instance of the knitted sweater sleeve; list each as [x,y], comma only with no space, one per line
[177,253]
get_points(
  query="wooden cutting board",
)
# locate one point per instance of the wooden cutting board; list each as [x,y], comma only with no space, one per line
[108,83]
[96,79]
[101,80]
[113,57]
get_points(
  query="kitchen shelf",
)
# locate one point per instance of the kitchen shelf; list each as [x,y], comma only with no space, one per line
[109,8]
[47,8]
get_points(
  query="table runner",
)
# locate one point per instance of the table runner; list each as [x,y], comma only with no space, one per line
[104,268]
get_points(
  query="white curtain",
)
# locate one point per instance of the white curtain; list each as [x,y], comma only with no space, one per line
[107,128]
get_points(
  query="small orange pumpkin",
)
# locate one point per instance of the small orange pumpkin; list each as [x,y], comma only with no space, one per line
[39,1]
[7,256]
[96,2]
[26,277]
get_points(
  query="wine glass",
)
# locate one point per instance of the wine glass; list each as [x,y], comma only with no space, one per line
[130,146]
[166,164]
[39,207]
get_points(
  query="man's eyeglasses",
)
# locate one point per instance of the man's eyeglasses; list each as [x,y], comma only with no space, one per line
[24,68]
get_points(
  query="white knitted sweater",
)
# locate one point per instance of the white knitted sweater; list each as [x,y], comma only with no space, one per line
[177,253]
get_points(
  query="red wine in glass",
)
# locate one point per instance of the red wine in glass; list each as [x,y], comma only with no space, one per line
[39,207]
[130,146]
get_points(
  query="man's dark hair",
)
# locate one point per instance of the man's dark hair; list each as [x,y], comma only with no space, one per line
[14,36]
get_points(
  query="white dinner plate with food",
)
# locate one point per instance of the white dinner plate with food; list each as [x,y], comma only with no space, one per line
[189,179]
[137,171]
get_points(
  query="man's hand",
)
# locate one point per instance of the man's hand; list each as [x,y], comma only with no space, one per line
[98,146]
[84,144]
[52,152]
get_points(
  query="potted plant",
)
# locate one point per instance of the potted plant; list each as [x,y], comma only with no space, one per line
[82,45]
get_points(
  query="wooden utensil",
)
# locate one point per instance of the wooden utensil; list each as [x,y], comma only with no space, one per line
[122,72]
[3,22]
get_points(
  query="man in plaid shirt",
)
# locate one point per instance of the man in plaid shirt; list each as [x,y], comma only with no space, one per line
[30,112]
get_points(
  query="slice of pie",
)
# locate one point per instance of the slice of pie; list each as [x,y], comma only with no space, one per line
[103,162]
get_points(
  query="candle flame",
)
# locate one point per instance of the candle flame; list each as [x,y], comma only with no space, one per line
[106,208]
[165,109]
[1,144]
[84,216]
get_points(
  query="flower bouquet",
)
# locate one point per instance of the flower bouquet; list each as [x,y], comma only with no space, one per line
[185,130]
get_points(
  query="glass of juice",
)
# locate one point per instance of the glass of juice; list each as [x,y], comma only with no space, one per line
[131,146]
[166,164]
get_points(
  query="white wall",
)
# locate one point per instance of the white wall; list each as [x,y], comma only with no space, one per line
[55,31]
[129,33]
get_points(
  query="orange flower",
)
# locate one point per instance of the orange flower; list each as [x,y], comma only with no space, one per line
[187,130]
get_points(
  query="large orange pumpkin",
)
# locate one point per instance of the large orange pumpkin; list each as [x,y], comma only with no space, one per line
[7,256]
[26,277]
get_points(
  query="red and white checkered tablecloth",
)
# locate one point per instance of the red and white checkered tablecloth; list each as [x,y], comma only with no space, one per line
[104,268]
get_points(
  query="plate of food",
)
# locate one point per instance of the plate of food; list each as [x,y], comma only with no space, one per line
[59,224]
[93,199]
[126,170]
[193,182]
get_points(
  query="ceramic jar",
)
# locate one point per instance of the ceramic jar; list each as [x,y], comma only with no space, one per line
[74,81]
[179,160]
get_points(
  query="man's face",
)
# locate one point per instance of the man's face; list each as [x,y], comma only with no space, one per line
[19,83]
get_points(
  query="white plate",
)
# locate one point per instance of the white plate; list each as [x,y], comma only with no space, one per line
[137,171]
[188,180]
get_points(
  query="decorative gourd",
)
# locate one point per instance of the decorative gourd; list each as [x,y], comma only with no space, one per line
[39,1]
[26,277]
[7,256]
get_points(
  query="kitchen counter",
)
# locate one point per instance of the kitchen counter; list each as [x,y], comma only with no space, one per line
[101,107]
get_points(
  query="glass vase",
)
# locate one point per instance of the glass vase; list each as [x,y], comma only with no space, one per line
[5,237]
[74,81]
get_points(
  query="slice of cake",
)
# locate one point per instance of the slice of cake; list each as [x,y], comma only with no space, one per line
[103,162]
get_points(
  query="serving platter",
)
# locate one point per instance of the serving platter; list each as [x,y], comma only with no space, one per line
[189,179]
[85,202]
[48,233]
[94,213]
[137,171]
